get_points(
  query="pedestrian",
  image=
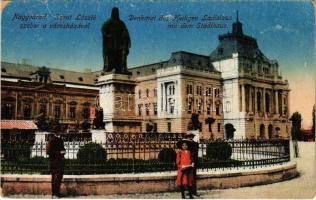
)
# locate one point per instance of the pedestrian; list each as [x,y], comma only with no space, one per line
[56,151]
[185,164]
[296,151]
[194,149]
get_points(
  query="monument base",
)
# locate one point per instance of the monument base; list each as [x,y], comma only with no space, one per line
[117,99]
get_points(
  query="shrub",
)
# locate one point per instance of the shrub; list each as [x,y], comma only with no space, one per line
[219,151]
[167,155]
[91,153]
[15,151]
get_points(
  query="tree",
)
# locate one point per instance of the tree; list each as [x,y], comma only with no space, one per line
[195,121]
[98,120]
[296,119]
[42,123]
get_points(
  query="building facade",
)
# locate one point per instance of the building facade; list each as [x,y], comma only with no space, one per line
[236,91]
[29,92]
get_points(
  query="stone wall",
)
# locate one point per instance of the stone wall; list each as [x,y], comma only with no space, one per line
[75,185]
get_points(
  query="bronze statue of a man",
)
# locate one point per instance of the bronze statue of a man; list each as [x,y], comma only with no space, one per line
[116,44]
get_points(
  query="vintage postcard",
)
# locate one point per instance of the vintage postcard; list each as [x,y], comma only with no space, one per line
[157,99]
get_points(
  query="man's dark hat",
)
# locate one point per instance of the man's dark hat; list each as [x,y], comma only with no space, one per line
[179,143]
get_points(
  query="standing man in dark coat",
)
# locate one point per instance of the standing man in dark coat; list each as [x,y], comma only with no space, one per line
[56,151]
[116,44]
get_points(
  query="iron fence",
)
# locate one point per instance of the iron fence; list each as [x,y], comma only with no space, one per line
[142,152]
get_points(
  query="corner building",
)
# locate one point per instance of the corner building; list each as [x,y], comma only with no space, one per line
[236,88]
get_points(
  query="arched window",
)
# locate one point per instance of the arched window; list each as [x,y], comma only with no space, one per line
[147,92]
[85,110]
[229,130]
[27,111]
[270,131]
[7,111]
[72,112]
[139,94]
[57,111]
[43,109]
[262,130]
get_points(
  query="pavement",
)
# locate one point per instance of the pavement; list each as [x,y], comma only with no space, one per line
[302,187]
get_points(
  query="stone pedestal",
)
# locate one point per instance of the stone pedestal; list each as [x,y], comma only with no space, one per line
[98,136]
[117,99]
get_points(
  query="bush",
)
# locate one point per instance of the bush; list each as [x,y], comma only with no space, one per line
[15,151]
[218,151]
[167,155]
[91,153]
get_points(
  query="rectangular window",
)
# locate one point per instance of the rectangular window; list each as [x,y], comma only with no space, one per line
[72,112]
[209,127]
[155,92]
[208,109]
[57,111]
[169,126]
[217,110]
[155,108]
[139,94]
[147,109]
[218,127]
[139,110]
[171,109]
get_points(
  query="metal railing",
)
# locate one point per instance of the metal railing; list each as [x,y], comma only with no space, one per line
[143,152]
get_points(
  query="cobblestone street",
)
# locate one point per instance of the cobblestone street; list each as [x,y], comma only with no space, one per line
[301,187]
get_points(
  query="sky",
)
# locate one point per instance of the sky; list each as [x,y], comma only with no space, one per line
[284,31]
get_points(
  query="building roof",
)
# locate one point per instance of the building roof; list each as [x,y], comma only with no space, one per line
[183,58]
[146,70]
[18,124]
[192,60]
[28,72]
[237,42]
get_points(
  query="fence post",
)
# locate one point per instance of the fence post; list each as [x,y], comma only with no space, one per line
[252,154]
[133,143]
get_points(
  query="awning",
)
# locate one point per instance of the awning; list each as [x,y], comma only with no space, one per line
[18,124]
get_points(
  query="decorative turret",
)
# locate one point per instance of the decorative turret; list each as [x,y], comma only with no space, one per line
[237,27]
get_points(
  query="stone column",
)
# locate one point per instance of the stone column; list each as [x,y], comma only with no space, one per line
[281,103]
[264,100]
[276,102]
[165,97]
[162,96]
[287,104]
[255,106]
[243,99]
[250,99]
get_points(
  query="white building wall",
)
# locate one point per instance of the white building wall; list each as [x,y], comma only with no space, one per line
[231,96]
